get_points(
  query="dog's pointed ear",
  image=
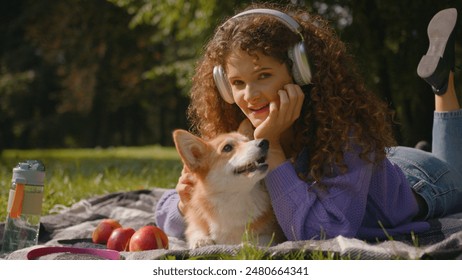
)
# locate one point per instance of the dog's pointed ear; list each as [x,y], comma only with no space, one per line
[192,149]
[246,129]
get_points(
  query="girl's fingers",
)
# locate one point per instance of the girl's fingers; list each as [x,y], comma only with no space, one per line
[284,105]
[298,104]
[293,96]
[266,128]
[281,116]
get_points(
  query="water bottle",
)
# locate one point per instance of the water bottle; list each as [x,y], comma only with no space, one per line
[24,206]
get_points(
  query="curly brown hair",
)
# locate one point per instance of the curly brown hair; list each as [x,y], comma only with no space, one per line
[338,110]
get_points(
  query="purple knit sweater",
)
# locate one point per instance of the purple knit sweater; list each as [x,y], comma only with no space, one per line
[368,202]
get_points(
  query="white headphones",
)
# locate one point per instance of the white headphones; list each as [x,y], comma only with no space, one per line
[301,69]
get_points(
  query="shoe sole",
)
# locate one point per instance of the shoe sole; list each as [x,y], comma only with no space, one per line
[439,30]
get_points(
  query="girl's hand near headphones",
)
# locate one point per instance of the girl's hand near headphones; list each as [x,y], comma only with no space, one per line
[280,119]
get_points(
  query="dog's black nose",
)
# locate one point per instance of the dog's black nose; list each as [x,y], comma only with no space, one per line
[263,144]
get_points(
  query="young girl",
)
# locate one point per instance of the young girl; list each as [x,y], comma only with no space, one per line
[332,171]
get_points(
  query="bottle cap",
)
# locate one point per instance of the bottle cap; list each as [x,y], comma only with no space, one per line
[29,172]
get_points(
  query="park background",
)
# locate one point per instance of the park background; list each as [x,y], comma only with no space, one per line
[107,73]
[94,88]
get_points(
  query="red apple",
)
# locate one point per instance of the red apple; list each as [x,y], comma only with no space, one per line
[148,238]
[103,230]
[120,239]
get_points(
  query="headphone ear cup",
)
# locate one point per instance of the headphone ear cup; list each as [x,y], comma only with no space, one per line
[222,84]
[301,68]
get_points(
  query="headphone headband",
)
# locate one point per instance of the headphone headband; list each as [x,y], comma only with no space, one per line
[301,71]
[284,18]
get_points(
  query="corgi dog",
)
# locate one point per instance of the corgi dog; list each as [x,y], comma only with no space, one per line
[229,196]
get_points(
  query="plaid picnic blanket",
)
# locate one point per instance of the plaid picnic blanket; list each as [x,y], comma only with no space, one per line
[73,226]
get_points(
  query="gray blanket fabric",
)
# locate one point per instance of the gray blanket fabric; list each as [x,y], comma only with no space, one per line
[73,226]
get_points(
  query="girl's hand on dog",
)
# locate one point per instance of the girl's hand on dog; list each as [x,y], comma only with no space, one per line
[184,187]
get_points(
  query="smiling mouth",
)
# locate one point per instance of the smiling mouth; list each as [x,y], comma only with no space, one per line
[259,109]
[260,165]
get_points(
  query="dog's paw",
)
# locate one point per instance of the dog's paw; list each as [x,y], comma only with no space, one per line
[201,243]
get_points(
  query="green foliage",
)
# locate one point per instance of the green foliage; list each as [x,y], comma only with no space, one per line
[184,19]
[82,73]
[86,84]
[181,26]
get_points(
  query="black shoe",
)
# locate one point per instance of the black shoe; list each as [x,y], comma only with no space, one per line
[434,67]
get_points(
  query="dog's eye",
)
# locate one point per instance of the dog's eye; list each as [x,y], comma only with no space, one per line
[227,148]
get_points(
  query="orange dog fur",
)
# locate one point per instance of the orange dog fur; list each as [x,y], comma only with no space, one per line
[229,196]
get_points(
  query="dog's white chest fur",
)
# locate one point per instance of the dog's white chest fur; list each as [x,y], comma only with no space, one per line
[230,216]
[234,212]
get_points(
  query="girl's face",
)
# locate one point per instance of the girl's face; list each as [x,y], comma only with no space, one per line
[255,83]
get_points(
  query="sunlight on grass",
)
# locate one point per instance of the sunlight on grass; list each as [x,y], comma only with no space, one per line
[147,152]
[75,174]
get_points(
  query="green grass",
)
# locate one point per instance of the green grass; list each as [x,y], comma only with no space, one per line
[75,174]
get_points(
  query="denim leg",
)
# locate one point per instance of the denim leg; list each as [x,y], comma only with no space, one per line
[436,181]
[447,138]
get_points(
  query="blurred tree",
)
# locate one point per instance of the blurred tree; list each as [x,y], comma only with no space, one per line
[182,27]
[116,72]
[73,75]
[388,38]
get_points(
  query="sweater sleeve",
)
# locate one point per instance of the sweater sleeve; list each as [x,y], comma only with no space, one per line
[168,217]
[305,211]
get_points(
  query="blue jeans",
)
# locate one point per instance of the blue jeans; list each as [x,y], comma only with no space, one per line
[437,176]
